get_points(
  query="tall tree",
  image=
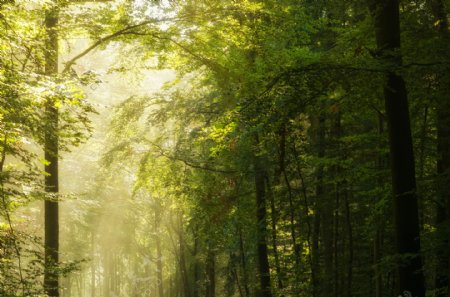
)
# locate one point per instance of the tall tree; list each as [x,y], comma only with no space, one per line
[51,281]
[443,152]
[261,215]
[406,217]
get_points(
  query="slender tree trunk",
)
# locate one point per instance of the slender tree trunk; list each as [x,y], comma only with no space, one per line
[442,283]
[274,219]
[78,282]
[319,191]
[177,282]
[261,216]
[106,274]
[243,264]
[421,163]
[113,275]
[159,264]
[325,208]
[92,264]
[183,269]
[337,198]
[118,275]
[83,285]
[406,217]
[336,236]
[327,231]
[210,273]
[377,242]
[376,261]
[443,170]
[51,245]
[195,290]
[292,209]
[67,292]
[349,228]
[171,286]
[292,224]
[238,283]
[306,214]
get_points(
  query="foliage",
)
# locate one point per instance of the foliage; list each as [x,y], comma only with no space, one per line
[269,145]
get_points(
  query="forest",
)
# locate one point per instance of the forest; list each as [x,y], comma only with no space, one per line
[224,148]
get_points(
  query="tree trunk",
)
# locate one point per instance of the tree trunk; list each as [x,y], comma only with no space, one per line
[282,171]
[442,283]
[421,164]
[51,245]
[274,219]
[319,191]
[348,221]
[406,217]
[336,237]
[337,170]
[377,242]
[307,217]
[92,264]
[210,273]
[67,291]
[195,236]
[243,263]
[261,216]
[293,227]
[325,206]
[183,270]
[159,263]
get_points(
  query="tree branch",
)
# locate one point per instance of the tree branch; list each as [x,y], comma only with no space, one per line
[320,66]
[102,40]
[190,163]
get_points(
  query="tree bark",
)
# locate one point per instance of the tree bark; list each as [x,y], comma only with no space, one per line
[106,274]
[183,270]
[210,273]
[196,250]
[348,221]
[92,264]
[261,216]
[377,241]
[243,263]
[307,217]
[159,263]
[337,170]
[319,191]
[274,219]
[51,242]
[406,217]
[442,283]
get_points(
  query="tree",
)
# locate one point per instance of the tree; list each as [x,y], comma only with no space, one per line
[406,217]
[51,278]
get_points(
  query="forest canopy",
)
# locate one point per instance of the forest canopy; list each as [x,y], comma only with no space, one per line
[224,148]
